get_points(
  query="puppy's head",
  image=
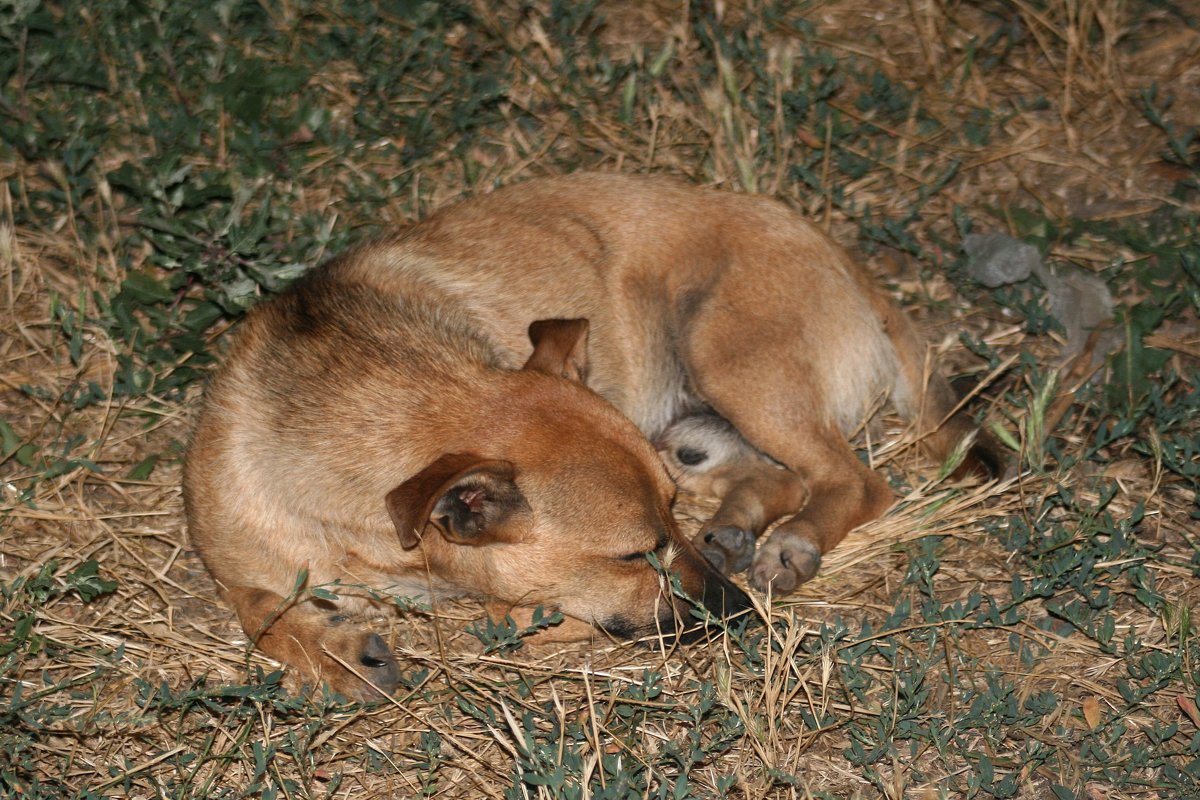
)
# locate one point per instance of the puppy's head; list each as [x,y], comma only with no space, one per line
[565,505]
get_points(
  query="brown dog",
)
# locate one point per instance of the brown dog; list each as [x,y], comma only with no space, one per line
[467,408]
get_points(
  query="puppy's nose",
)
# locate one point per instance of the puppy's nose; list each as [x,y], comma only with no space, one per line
[722,598]
[716,592]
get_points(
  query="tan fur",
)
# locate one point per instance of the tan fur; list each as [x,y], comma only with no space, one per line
[387,386]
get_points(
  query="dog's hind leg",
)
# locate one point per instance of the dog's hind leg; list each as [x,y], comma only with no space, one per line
[771,381]
[825,492]
[707,456]
[844,495]
[326,643]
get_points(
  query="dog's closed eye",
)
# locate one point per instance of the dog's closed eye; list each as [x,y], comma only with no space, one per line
[641,554]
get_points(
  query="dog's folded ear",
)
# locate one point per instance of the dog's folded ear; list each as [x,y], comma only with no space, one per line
[470,500]
[560,348]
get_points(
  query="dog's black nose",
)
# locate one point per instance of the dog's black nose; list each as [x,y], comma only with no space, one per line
[722,598]
[618,627]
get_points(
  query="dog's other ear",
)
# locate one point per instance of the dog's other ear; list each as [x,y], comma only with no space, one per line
[467,498]
[560,348]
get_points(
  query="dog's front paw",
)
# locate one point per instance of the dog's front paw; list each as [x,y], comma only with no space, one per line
[727,548]
[785,561]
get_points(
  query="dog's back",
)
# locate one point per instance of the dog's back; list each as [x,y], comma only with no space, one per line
[637,257]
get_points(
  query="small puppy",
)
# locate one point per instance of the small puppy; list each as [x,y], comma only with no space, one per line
[468,407]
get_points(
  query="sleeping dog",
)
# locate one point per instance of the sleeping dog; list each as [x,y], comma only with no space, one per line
[471,406]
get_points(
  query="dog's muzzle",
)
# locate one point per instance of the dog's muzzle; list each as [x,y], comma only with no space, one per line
[682,620]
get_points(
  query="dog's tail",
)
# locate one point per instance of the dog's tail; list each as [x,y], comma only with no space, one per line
[925,397]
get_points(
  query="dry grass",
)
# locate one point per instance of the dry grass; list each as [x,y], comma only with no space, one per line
[468,716]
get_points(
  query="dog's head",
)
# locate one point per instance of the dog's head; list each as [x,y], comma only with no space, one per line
[565,505]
